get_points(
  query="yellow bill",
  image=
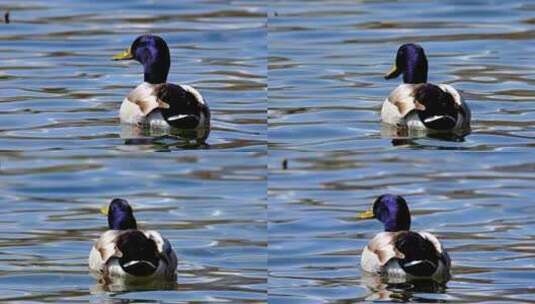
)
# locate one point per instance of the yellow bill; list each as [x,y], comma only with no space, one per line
[393,73]
[124,55]
[366,215]
[104,210]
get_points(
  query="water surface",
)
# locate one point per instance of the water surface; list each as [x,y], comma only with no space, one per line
[63,156]
[211,206]
[326,65]
[60,89]
[479,205]
[327,60]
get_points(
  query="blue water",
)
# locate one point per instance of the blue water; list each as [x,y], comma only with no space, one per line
[326,65]
[62,91]
[209,206]
[328,59]
[303,79]
[63,157]
[479,204]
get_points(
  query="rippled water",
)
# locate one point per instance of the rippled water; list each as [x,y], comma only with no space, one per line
[60,89]
[327,60]
[304,78]
[326,65]
[479,204]
[211,207]
[63,156]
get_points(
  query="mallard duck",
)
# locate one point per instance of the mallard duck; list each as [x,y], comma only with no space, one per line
[156,103]
[130,255]
[420,105]
[398,252]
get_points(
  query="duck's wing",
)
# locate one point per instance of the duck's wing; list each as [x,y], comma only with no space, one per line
[184,107]
[103,249]
[423,256]
[457,97]
[418,254]
[167,254]
[399,103]
[464,110]
[106,248]
[379,251]
[443,254]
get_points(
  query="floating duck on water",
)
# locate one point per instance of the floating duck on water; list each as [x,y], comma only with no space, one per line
[126,255]
[156,103]
[417,104]
[399,253]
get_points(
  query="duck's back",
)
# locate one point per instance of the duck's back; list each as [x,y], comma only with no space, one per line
[187,108]
[166,105]
[105,255]
[406,254]
[399,108]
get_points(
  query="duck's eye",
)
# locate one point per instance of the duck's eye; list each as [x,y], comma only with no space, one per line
[383,210]
[378,210]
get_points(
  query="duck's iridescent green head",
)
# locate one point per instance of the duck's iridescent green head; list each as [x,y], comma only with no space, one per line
[392,211]
[411,62]
[120,215]
[152,52]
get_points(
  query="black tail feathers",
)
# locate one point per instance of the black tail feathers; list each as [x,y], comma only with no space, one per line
[421,257]
[140,254]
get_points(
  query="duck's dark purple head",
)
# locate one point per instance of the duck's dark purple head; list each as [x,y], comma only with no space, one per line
[411,62]
[120,215]
[392,211]
[152,52]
